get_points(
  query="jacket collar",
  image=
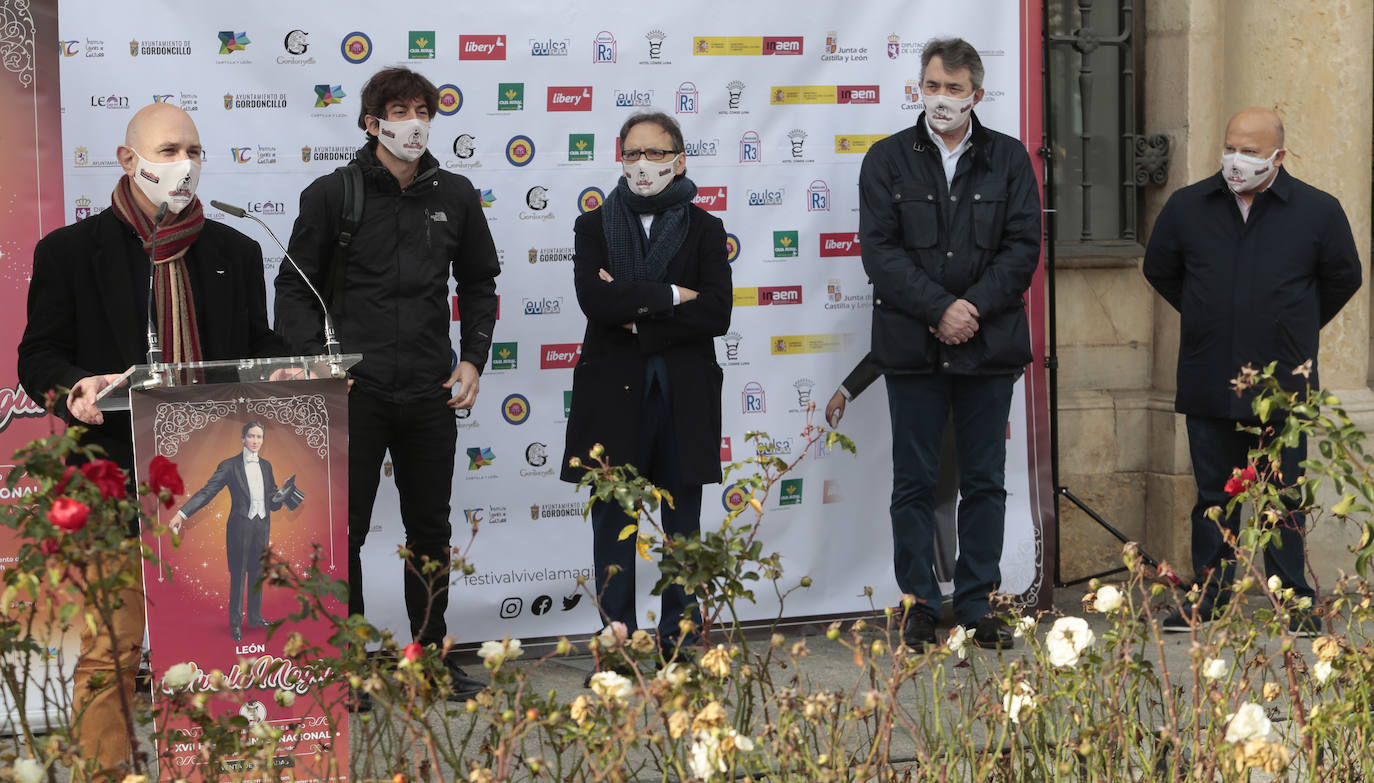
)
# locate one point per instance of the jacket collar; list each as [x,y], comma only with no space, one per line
[980,136]
[374,170]
[1281,187]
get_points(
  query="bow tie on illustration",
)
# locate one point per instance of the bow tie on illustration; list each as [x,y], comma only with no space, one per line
[250,459]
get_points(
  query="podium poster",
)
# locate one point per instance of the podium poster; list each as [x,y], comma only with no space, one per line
[265,465]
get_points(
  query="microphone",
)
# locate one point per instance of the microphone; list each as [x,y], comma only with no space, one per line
[331,341]
[154,346]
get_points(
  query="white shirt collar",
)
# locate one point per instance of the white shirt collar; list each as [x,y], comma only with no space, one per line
[249,456]
[958,148]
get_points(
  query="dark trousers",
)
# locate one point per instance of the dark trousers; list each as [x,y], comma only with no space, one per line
[919,405]
[1216,449]
[244,542]
[422,437]
[658,461]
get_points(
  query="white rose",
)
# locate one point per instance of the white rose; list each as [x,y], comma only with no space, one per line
[28,771]
[179,676]
[1108,599]
[675,674]
[958,640]
[493,653]
[1249,722]
[1024,627]
[1215,668]
[1322,670]
[612,686]
[1275,584]
[742,743]
[285,698]
[1019,702]
[1068,638]
[704,756]
[613,635]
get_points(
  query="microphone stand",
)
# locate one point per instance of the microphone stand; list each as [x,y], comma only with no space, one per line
[154,344]
[331,340]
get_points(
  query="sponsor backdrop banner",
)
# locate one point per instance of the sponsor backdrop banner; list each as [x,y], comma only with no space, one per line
[304,445]
[778,105]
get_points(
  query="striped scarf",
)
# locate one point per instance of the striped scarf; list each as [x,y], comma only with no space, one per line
[176,308]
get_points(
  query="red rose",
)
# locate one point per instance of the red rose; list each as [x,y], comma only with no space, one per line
[49,546]
[162,474]
[1241,479]
[413,651]
[62,482]
[106,476]
[68,514]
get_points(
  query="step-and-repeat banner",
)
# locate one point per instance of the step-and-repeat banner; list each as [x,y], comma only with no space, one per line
[778,103]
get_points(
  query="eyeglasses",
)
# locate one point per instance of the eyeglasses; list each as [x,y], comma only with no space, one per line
[657,156]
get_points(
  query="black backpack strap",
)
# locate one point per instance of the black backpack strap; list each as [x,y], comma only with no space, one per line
[350,219]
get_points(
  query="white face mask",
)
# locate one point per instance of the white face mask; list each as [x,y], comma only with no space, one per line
[1244,173]
[172,181]
[406,139]
[648,178]
[946,114]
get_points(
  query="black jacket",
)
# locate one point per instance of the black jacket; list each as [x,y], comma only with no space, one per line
[83,318]
[232,474]
[926,244]
[608,382]
[395,309]
[1249,292]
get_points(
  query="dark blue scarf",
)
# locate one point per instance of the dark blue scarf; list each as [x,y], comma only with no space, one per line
[625,233]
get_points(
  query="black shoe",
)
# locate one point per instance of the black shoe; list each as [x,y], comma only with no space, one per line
[1182,620]
[991,632]
[256,621]
[462,686]
[919,631]
[358,701]
[236,633]
[1305,622]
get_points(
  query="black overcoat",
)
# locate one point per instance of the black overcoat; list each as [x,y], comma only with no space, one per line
[608,381]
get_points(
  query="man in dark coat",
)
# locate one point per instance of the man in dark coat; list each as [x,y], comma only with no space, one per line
[1256,262]
[87,312]
[651,276]
[253,496]
[949,217]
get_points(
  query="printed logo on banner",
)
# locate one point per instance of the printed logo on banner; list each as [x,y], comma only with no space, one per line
[230,42]
[791,494]
[776,447]
[833,293]
[632,98]
[544,255]
[752,398]
[255,100]
[536,455]
[464,148]
[686,99]
[547,305]
[834,53]
[818,196]
[511,607]
[766,295]
[750,147]
[830,491]
[177,48]
[734,91]
[856,143]
[515,409]
[112,101]
[803,387]
[163,98]
[895,47]
[242,154]
[450,99]
[326,95]
[504,356]
[549,47]
[356,47]
[732,248]
[81,156]
[265,207]
[520,151]
[731,341]
[786,244]
[334,153]
[792,344]
[712,198]
[567,403]
[796,138]
[840,245]
[69,48]
[295,44]
[655,39]
[537,199]
[421,45]
[486,197]
[510,96]
[570,99]
[480,457]
[766,197]
[82,208]
[738,45]
[726,453]
[782,45]
[95,47]
[911,97]
[603,48]
[702,148]
[188,101]
[559,356]
[734,498]
[581,147]
[481,47]
[590,199]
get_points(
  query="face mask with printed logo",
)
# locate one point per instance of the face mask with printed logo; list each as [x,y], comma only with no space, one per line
[1244,173]
[647,178]
[945,113]
[173,182]
[406,139]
